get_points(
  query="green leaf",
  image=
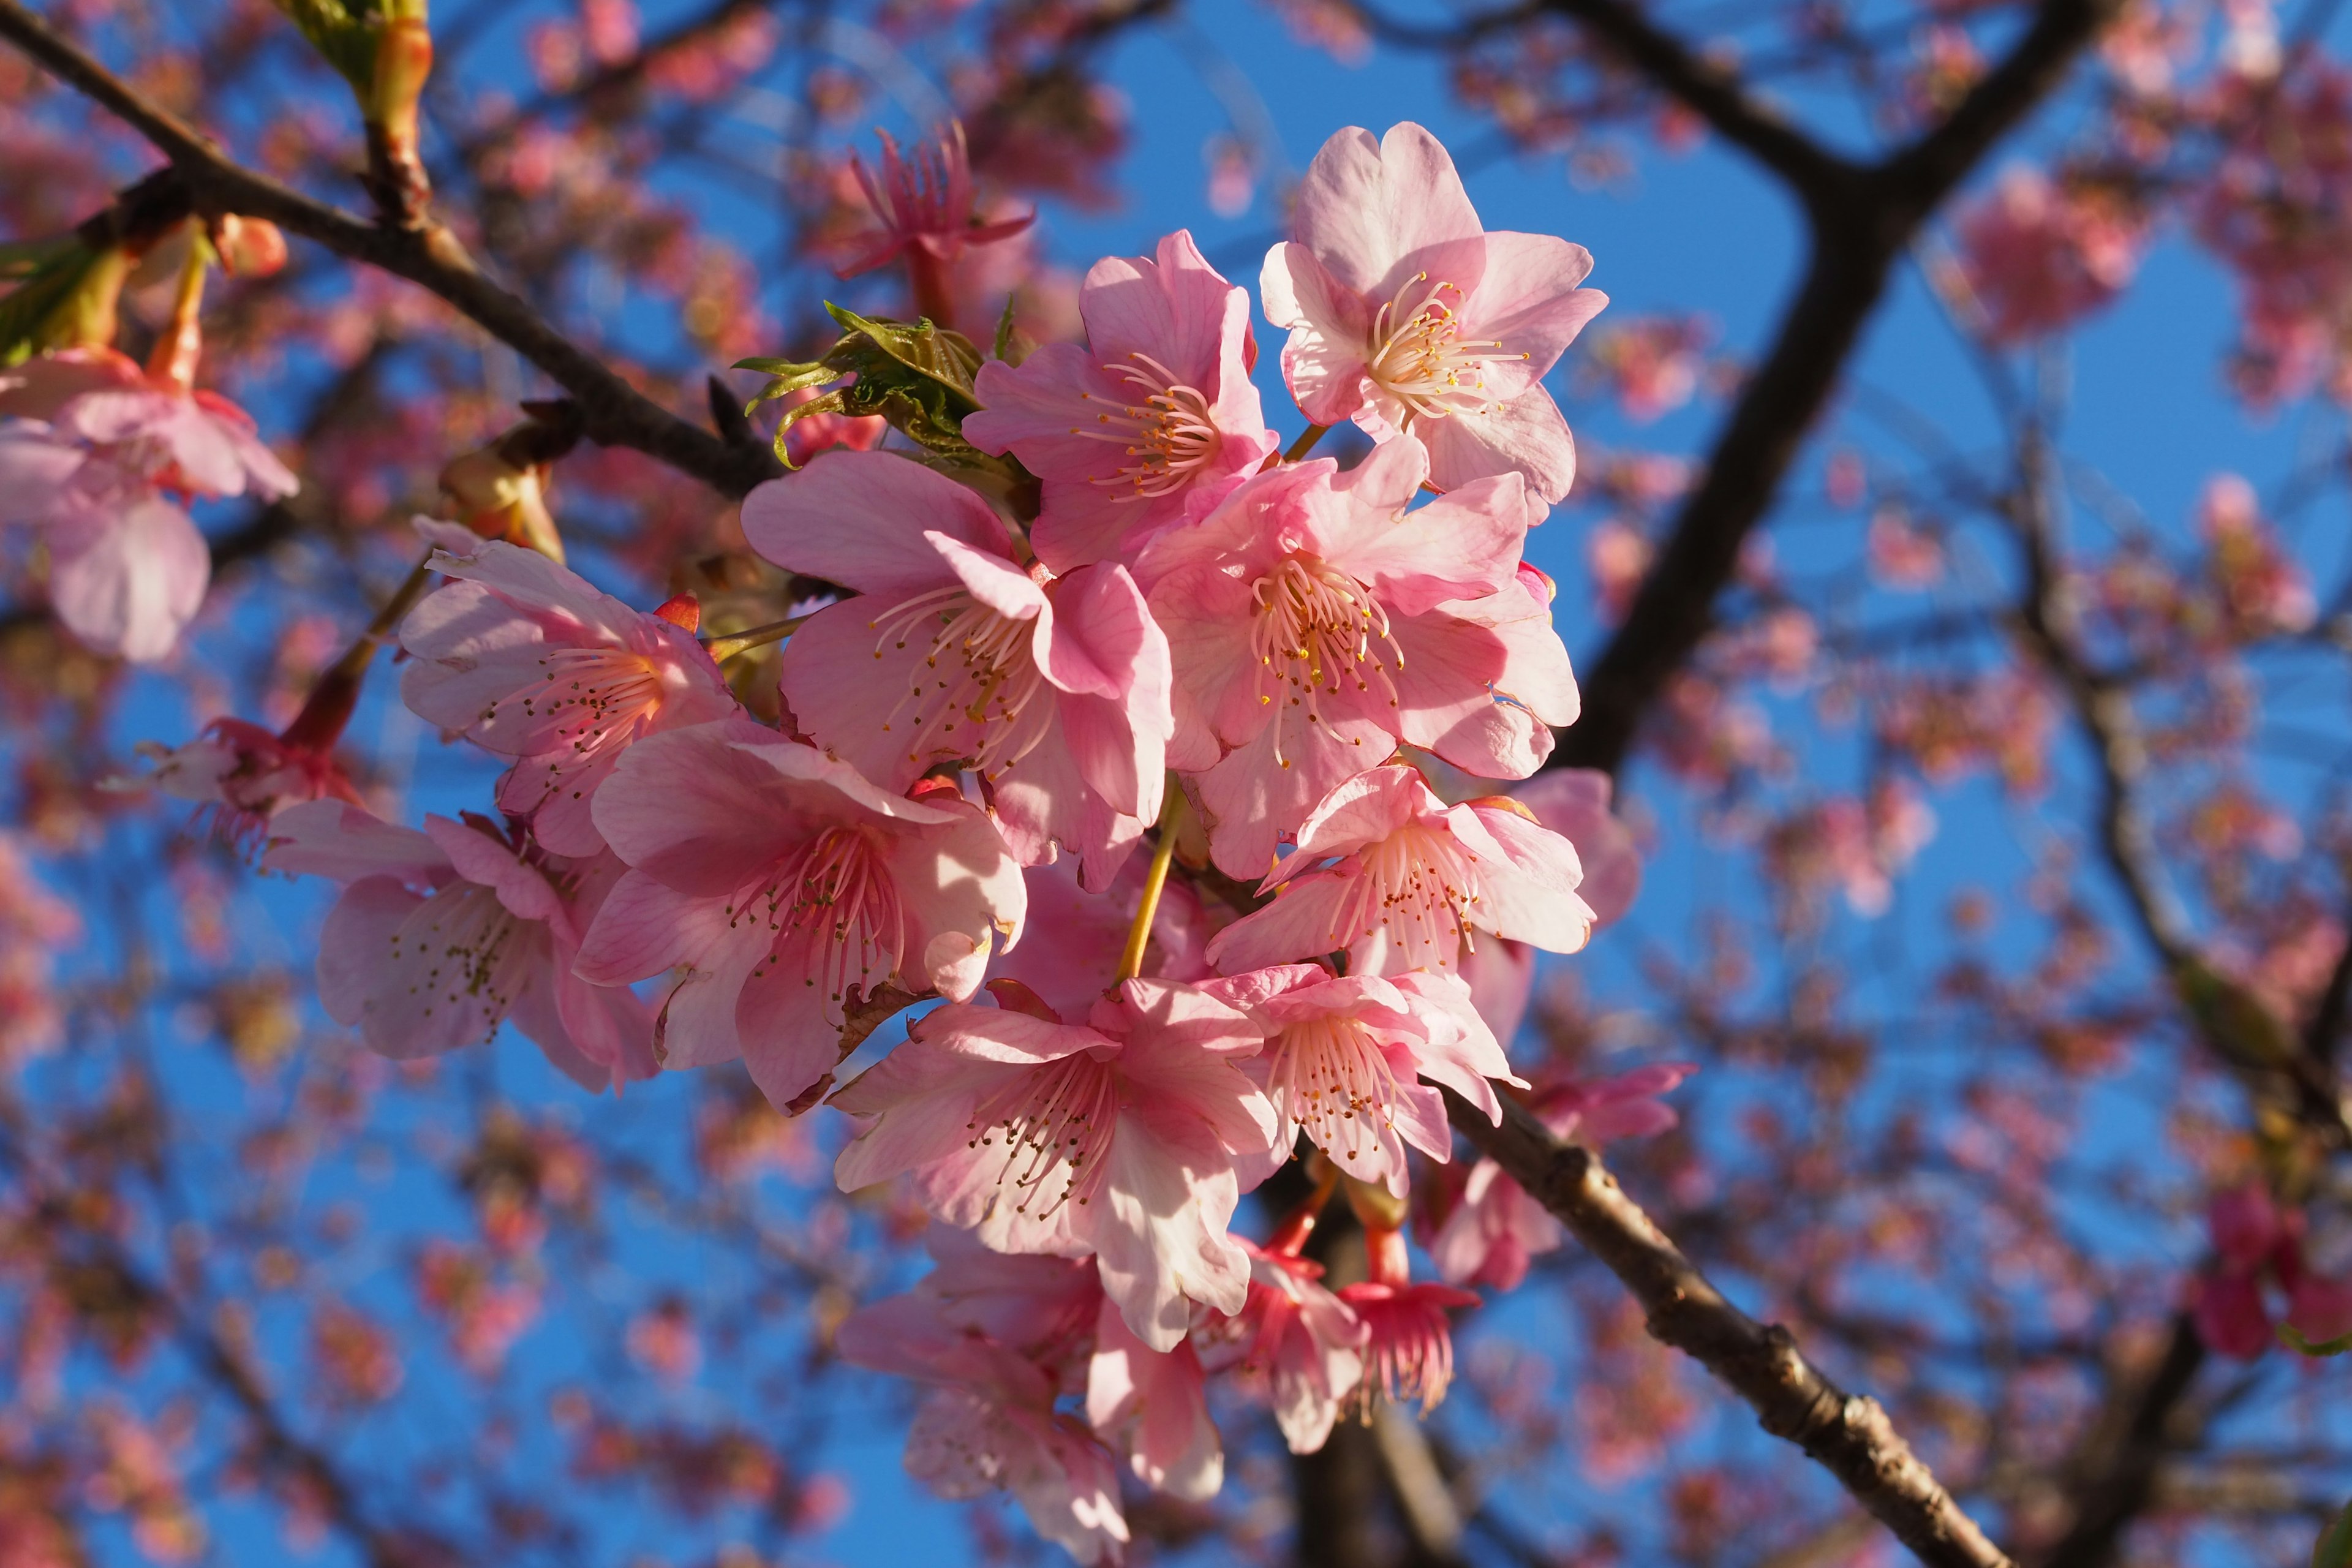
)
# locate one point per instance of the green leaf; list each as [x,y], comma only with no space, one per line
[1013,344]
[25,310]
[2294,1340]
[916,375]
[2335,1547]
[344,35]
[23,258]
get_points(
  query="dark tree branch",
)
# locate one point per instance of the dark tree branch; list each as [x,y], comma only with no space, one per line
[614,413]
[1857,234]
[1848,1435]
[2116,1476]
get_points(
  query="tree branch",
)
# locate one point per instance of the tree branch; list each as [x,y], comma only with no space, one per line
[614,414]
[2119,1475]
[1849,1436]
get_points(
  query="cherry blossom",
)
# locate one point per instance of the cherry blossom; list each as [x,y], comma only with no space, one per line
[922,205]
[525,659]
[442,934]
[1155,1404]
[1314,622]
[1306,1342]
[1400,880]
[1131,1135]
[1496,1226]
[991,1421]
[783,889]
[241,775]
[1408,317]
[1152,419]
[2037,255]
[1055,689]
[1345,1057]
[96,447]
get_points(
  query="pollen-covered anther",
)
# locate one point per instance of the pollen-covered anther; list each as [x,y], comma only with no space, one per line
[1170,436]
[987,678]
[1319,631]
[1421,358]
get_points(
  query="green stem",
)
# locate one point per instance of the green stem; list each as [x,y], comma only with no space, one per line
[1139,935]
[724,648]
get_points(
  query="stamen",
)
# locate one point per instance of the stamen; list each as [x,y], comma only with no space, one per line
[1338,1085]
[980,675]
[1318,631]
[1421,359]
[1055,1123]
[1170,436]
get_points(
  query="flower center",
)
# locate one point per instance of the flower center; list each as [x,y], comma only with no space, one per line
[1318,631]
[1421,358]
[1336,1083]
[1055,1124]
[1422,885]
[836,890]
[466,941]
[1410,1355]
[1170,436]
[587,701]
[972,694]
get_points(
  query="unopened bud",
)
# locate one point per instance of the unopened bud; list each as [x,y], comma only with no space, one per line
[500,499]
[248,246]
[682,610]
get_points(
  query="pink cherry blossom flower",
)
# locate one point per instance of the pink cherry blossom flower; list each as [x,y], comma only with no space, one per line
[990,1422]
[241,775]
[1400,880]
[1055,689]
[1131,1136]
[1314,622]
[1407,316]
[525,659]
[1155,1404]
[440,935]
[1496,1226]
[1154,415]
[1345,1060]
[2038,256]
[923,202]
[782,888]
[1306,1342]
[1409,1344]
[1070,954]
[1574,803]
[97,445]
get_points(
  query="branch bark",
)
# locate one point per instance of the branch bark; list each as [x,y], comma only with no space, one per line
[614,414]
[1850,1437]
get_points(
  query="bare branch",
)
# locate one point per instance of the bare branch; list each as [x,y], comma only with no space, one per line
[614,413]
[1848,1435]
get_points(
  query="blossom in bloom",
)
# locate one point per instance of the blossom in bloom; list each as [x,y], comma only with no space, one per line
[1408,317]
[990,1422]
[782,888]
[1345,1059]
[1055,689]
[1131,1135]
[1314,622]
[97,447]
[1408,1339]
[1155,413]
[1070,953]
[1400,880]
[922,205]
[1155,1404]
[1574,803]
[2038,255]
[1495,1227]
[242,775]
[527,659]
[1305,1341]
[441,934]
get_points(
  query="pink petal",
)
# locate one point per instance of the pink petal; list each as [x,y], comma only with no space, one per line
[127,579]
[1528,298]
[1366,208]
[346,843]
[1324,362]
[1527,436]
[858,518]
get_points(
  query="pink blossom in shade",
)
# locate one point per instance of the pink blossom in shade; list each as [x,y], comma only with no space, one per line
[1409,1339]
[97,444]
[2038,256]
[1497,1227]
[1407,316]
[241,775]
[990,1423]
[779,887]
[1346,1059]
[440,935]
[1155,415]
[1056,689]
[1070,954]
[1155,1406]
[525,659]
[1305,1341]
[2263,588]
[1574,803]
[2252,1240]
[1131,1136]
[922,203]
[1401,881]
[1314,622]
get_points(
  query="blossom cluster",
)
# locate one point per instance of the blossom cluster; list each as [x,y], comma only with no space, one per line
[1154,786]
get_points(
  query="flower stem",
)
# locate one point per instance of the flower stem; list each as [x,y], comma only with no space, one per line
[1305,443]
[724,648]
[1139,935]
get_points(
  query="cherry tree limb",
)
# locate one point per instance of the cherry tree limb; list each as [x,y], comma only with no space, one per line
[1848,1435]
[614,413]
